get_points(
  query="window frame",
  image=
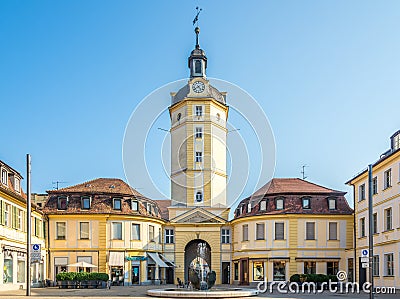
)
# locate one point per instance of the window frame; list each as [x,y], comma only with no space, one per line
[330,237]
[375,262]
[59,205]
[330,200]
[116,224]
[80,230]
[279,199]
[169,236]
[260,235]
[375,223]
[362,227]
[389,264]
[374,185]
[4,176]
[225,236]
[198,110]
[58,236]
[117,199]
[387,179]
[199,197]
[132,205]
[199,157]
[199,132]
[305,199]
[83,198]
[136,225]
[388,219]
[283,230]
[245,232]
[263,202]
[151,233]
[310,231]
[361,192]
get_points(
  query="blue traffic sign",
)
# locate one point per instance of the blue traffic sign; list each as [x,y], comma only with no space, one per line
[36,247]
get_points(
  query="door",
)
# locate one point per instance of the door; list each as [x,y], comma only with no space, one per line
[226,273]
[363,273]
[170,275]
[135,275]
[244,271]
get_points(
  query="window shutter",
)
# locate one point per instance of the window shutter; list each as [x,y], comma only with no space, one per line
[310,230]
[332,231]
[279,231]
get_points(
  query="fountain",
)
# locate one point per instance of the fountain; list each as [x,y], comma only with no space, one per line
[201,280]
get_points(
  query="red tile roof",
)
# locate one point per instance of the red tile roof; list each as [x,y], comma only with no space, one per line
[163,205]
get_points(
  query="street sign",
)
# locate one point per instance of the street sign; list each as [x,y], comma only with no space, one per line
[365,260]
[365,253]
[36,254]
[365,265]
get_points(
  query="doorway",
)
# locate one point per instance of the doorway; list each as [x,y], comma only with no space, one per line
[198,256]
[226,272]
[135,274]
[362,272]
[244,271]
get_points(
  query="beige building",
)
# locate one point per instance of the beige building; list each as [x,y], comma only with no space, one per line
[386,217]
[291,226]
[13,226]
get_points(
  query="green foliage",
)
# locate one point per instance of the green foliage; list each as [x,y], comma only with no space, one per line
[81,276]
[295,278]
[317,278]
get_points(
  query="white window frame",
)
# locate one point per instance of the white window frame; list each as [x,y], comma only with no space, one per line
[199,157]
[330,201]
[387,178]
[133,203]
[58,236]
[83,199]
[136,225]
[225,236]
[199,132]
[116,224]
[260,231]
[4,177]
[387,226]
[389,271]
[263,205]
[81,232]
[361,192]
[151,233]
[17,185]
[169,236]
[198,111]
[278,206]
[275,230]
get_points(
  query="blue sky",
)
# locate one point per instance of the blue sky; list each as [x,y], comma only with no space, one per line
[325,72]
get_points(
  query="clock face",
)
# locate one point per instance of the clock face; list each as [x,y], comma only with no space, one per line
[198,86]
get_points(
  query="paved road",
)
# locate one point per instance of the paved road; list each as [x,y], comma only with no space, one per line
[139,292]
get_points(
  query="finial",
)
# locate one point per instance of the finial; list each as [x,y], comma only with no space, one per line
[197,31]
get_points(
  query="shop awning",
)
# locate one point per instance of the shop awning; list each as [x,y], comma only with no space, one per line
[168,261]
[156,258]
[116,258]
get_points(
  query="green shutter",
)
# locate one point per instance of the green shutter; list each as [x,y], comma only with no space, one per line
[14,217]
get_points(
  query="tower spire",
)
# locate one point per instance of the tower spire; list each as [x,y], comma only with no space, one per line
[197,61]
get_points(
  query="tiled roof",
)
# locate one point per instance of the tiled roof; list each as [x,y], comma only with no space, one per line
[163,205]
[292,190]
[101,185]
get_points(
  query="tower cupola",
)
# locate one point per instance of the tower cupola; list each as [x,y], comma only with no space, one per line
[197,61]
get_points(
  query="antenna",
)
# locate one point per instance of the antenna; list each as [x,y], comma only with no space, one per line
[303,171]
[57,183]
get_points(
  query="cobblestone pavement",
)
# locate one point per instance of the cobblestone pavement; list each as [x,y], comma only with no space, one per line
[139,292]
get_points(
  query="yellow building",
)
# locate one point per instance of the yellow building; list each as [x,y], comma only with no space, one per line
[386,217]
[106,223]
[291,226]
[13,233]
[198,213]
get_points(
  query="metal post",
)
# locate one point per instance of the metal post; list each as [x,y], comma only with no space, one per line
[28,225]
[371,233]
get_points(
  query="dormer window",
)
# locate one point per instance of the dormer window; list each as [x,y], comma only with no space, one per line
[134,205]
[306,203]
[62,203]
[332,203]
[17,185]
[279,204]
[263,205]
[85,203]
[4,177]
[249,207]
[117,204]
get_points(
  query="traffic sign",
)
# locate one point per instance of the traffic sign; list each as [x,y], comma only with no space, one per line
[365,265]
[365,260]
[36,254]
[365,253]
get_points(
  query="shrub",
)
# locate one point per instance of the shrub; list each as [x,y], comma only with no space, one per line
[81,276]
[295,278]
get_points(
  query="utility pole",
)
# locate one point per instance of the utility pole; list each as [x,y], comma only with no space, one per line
[371,233]
[28,225]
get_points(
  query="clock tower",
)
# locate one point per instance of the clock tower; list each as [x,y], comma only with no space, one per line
[198,115]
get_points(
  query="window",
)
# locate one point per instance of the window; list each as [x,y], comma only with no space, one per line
[17,185]
[169,236]
[310,230]
[8,275]
[199,110]
[84,230]
[332,268]
[197,66]
[375,185]
[279,231]
[4,177]
[362,227]
[258,271]
[332,203]
[236,271]
[159,235]
[199,133]
[62,203]
[263,205]
[21,271]
[245,232]
[19,219]
[151,233]
[279,203]
[310,267]
[375,223]
[38,226]
[225,236]
[117,230]
[85,203]
[279,271]
[134,205]
[249,207]
[361,192]
[388,219]
[306,202]
[60,230]
[199,156]
[199,196]
[117,204]
[387,178]
[389,264]
[375,265]
[7,214]
[333,231]
[260,228]
[135,231]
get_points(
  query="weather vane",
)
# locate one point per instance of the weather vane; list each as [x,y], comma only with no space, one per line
[196,18]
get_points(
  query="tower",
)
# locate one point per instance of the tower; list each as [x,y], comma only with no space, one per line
[198,115]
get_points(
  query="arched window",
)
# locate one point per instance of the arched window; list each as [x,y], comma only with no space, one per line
[197,66]
[199,196]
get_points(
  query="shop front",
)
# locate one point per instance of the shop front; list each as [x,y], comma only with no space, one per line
[116,263]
